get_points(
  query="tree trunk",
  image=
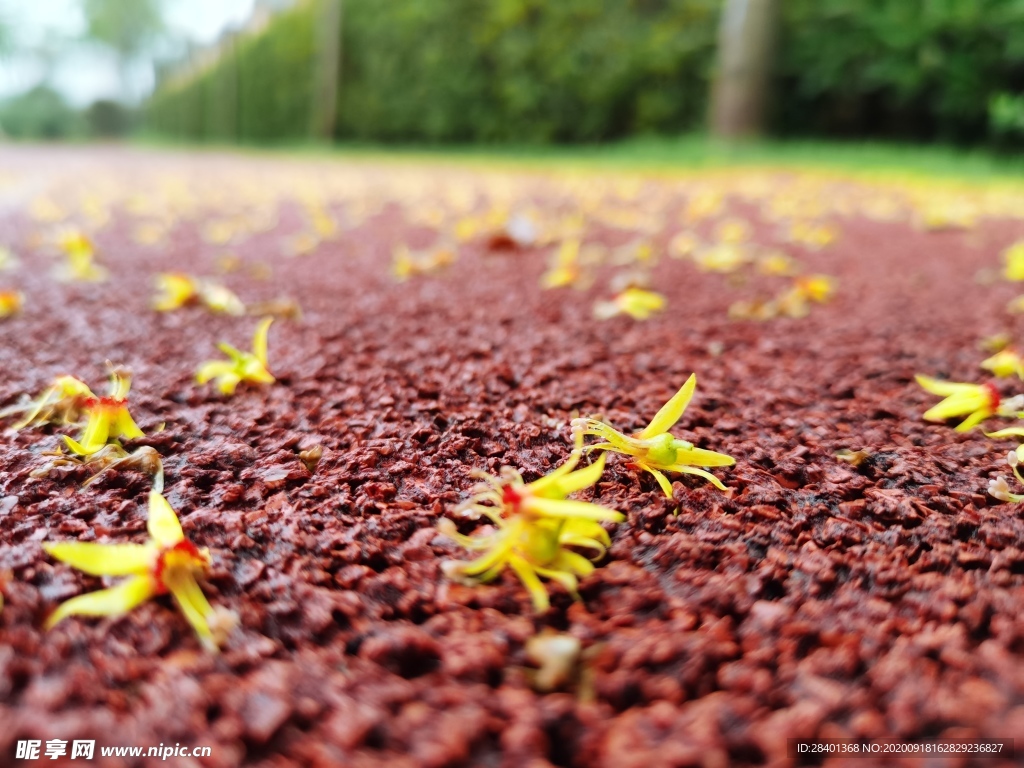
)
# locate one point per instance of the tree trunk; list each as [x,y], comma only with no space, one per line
[328,71]
[746,47]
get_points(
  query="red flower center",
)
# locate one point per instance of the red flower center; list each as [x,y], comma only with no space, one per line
[104,402]
[511,497]
[185,547]
[993,395]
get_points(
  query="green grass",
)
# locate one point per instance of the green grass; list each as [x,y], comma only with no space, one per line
[680,154]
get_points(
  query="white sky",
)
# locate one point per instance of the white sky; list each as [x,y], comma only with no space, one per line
[84,72]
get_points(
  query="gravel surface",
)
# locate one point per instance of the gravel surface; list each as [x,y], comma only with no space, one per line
[813,599]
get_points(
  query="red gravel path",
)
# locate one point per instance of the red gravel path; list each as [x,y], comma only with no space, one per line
[820,600]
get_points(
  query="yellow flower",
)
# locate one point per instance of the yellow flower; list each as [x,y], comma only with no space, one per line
[536,528]
[10,303]
[564,269]
[813,235]
[242,366]
[817,288]
[80,264]
[975,401]
[167,563]
[653,449]
[723,257]
[778,264]
[219,299]
[1014,258]
[62,403]
[108,417]
[176,290]
[638,303]
[1005,363]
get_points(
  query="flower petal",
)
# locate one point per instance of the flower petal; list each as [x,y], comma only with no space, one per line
[706,475]
[163,524]
[116,601]
[195,607]
[666,486]
[97,430]
[103,559]
[227,383]
[212,369]
[703,458]
[571,482]
[671,411]
[259,340]
[942,388]
[569,509]
[533,585]
[973,420]
[124,426]
[1008,432]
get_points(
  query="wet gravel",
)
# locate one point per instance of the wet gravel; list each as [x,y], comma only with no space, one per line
[814,599]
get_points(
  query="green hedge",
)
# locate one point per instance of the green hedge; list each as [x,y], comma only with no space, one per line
[914,69]
[260,89]
[524,70]
[588,70]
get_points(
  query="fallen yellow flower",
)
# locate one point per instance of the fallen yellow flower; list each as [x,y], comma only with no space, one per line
[108,417]
[1005,363]
[537,527]
[167,563]
[10,303]
[63,402]
[241,366]
[975,401]
[653,449]
[638,303]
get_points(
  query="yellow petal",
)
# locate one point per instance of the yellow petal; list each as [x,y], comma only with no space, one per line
[567,508]
[566,579]
[942,388]
[573,562]
[195,607]
[576,530]
[212,370]
[237,356]
[1008,432]
[671,411]
[123,425]
[97,430]
[103,559]
[703,458]
[259,341]
[163,525]
[497,556]
[81,450]
[666,486]
[558,484]
[227,383]
[115,601]
[972,421]
[533,585]
[577,481]
[706,475]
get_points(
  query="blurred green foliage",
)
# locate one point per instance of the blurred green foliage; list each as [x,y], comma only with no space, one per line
[259,90]
[527,70]
[591,70]
[462,70]
[907,69]
[40,113]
